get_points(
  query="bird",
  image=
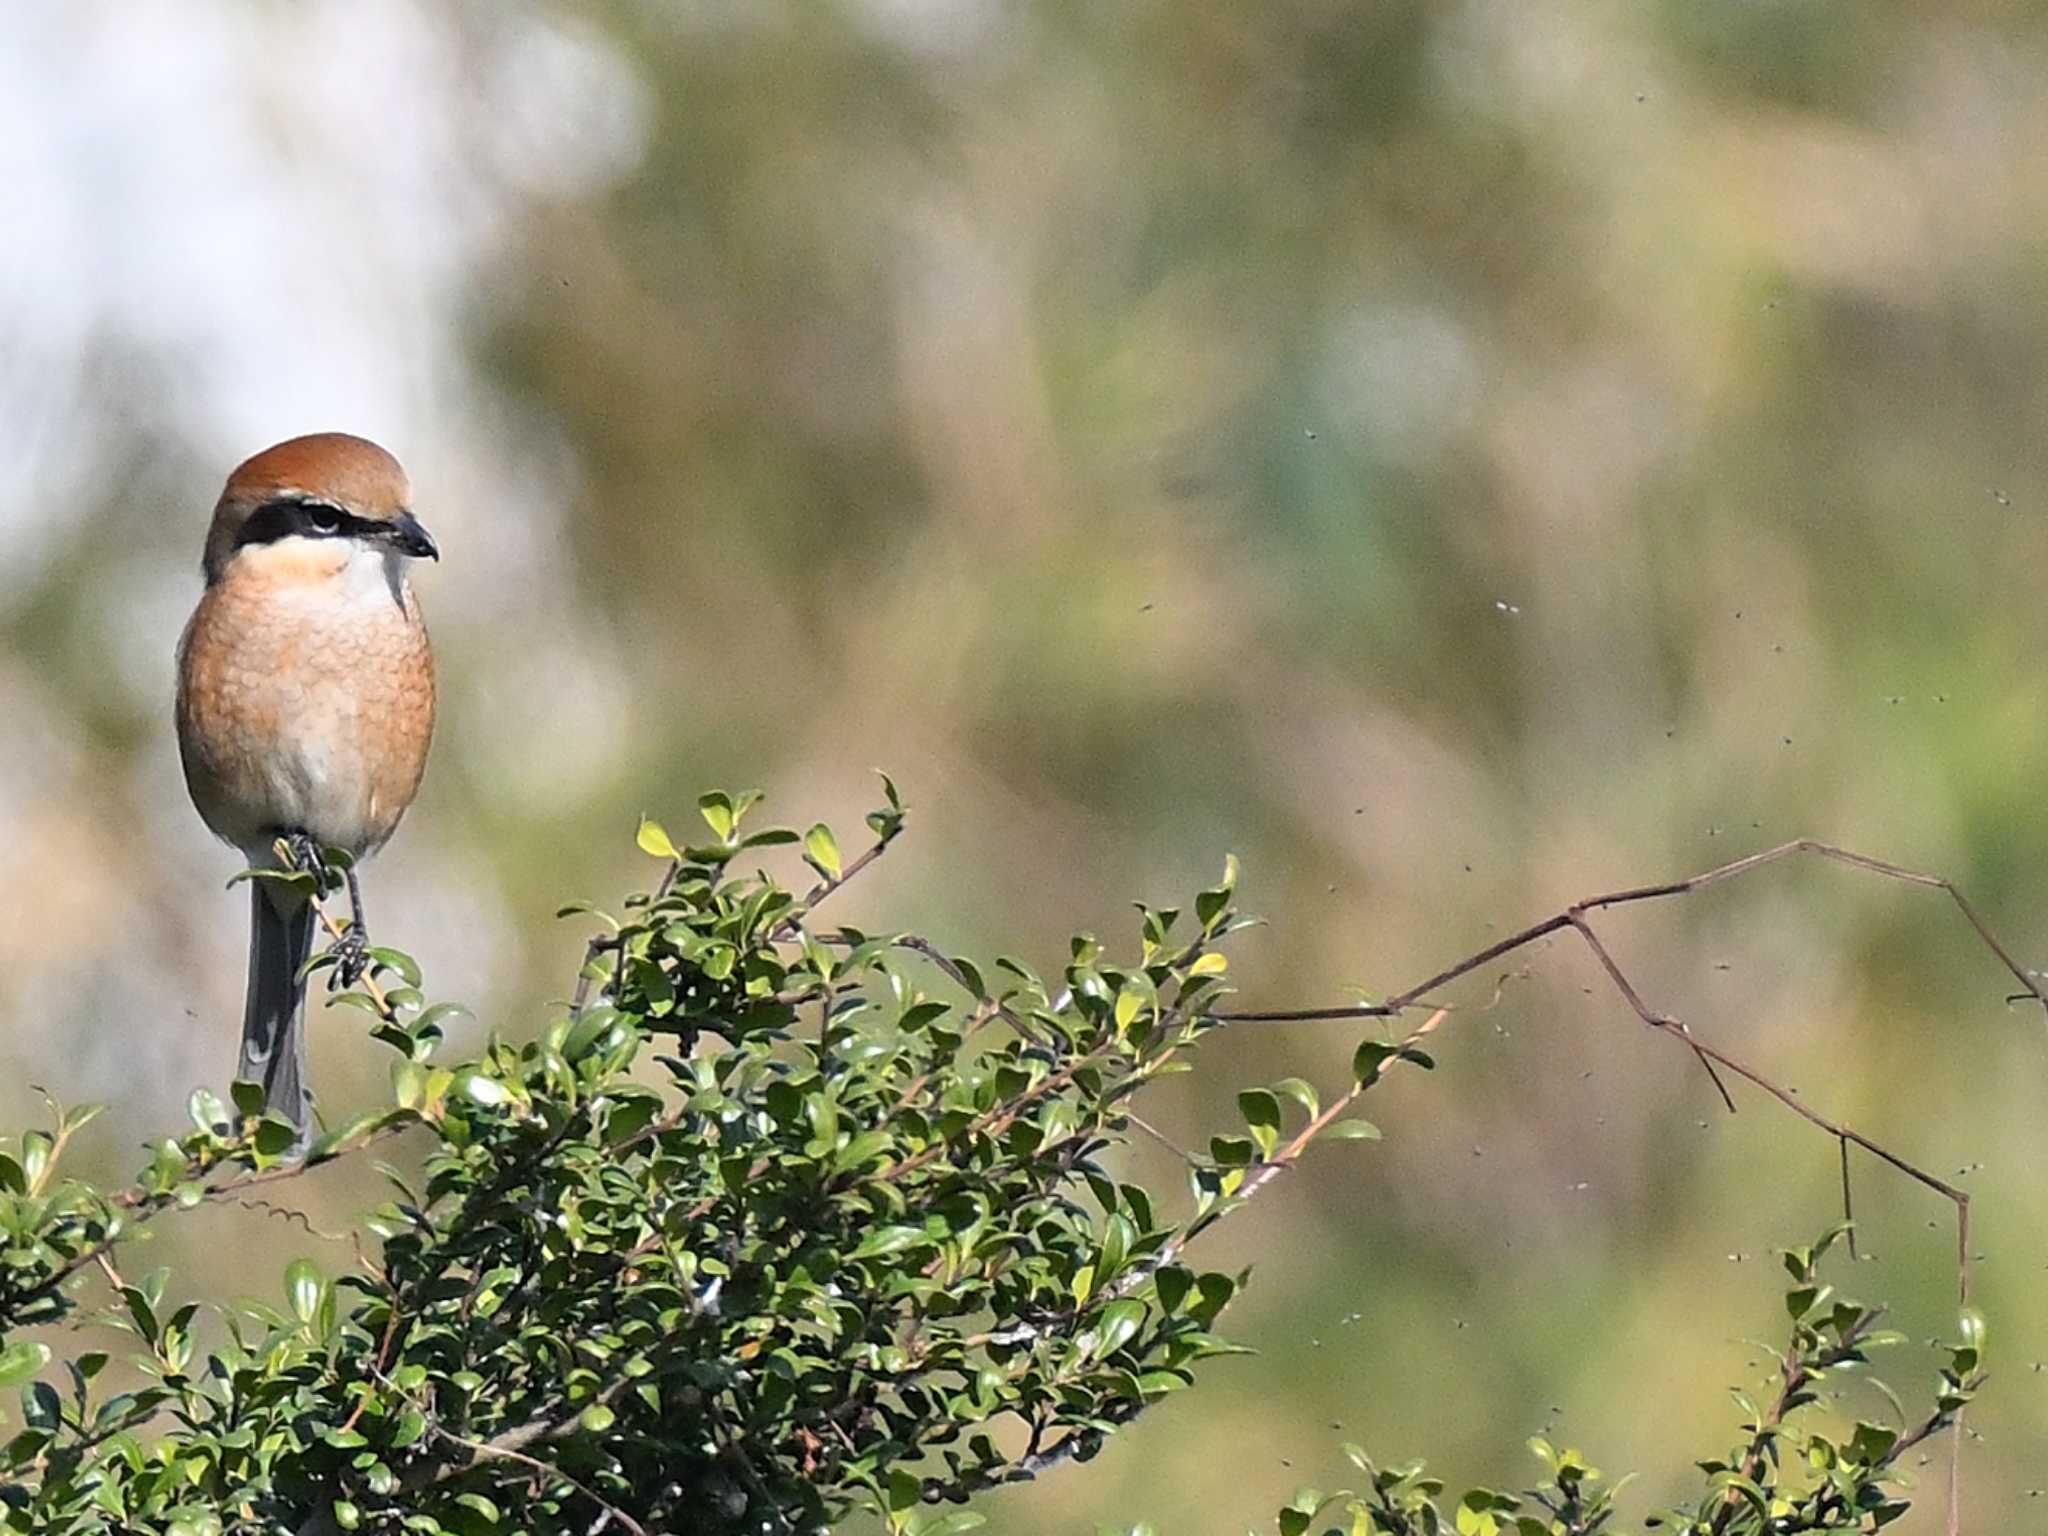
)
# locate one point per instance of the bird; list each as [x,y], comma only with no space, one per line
[305,708]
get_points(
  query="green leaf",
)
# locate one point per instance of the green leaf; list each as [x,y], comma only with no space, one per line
[719,815]
[1119,1324]
[1261,1111]
[1369,1060]
[1871,1443]
[905,1492]
[408,1084]
[1352,1130]
[1211,904]
[1970,1328]
[21,1360]
[822,850]
[274,1136]
[481,1088]
[596,1418]
[207,1111]
[1172,1284]
[345,1137]
[290,879]
[1117,1236]
[396,961]
[653,838]
[1302,1092]
[884,1241]
[1232,1151]
[37,1151]
[80,1116]
[1130,1002]
[305,1289]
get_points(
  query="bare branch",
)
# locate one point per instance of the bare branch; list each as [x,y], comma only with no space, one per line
[1574,917]
[1413,996]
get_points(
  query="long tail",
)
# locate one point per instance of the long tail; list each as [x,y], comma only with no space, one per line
[274,1020]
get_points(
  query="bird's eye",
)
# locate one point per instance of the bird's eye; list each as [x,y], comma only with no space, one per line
[323,520]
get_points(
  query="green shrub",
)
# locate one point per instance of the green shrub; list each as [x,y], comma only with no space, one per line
[774,1223]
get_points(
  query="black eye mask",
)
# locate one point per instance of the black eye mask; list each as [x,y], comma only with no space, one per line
[308,519]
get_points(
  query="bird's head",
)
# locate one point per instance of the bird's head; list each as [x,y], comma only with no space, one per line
[316,501]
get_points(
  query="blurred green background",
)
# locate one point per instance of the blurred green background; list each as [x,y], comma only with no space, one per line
[1458,457]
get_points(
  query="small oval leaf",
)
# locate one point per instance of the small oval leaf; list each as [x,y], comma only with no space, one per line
[21,1360]
[822,849]
[1352,1130]
[653,838]
[304,1289]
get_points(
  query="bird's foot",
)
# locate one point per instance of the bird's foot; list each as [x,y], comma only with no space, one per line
[305,853]
[351,956]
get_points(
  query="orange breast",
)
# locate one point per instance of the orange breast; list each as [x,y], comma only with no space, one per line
[304,706]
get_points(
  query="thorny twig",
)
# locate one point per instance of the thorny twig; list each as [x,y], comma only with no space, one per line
[1575,918]
[1412,997]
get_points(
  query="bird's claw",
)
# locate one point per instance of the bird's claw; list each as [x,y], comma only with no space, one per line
[351,957]
[305,853]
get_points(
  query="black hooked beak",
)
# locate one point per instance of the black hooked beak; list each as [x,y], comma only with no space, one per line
[409,538]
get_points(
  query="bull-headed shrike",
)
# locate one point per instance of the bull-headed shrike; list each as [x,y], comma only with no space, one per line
[305,704]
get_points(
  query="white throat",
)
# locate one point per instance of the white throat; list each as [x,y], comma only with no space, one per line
[373,575]
[335,573]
